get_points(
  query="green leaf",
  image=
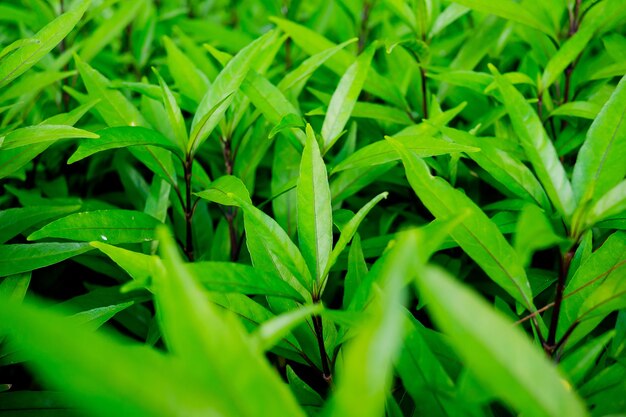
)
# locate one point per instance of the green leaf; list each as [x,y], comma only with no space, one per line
[538,147]
[189,80]
[345,97]
[22,59]
[110,29]
[15,259]
[568,52]
[272,250]
[611,203]
[121,137]
[112,226]
[14,159]
[364,380]
[347,233]
[418,138]
[113,107]
[503,166]
[16,220]
[195,330]
[582,109]
[242,279]
[138,265]
[313,43]
[532,386]
[34,135]
[270,101]
[314,209]
[115,376]
[476,234]
[510,10]
[600,166]
[227,190]
[579,363]
[271,331]
[534,232]
[175,116]
[294,80]
[220,96]
[423,375]
[596,289]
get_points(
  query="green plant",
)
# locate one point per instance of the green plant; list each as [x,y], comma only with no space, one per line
[286,208]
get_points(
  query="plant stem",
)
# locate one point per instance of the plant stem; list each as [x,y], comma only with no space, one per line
[189,209]
[424,92]
[365,16]
[319,334]
[229,213]
[566,260]
[574,24]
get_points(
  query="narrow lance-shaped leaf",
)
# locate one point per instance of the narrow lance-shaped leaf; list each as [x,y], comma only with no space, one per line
[345,97]
[115,376]
[16,220]
[112,226]
[174,114]
[34,135]
[510,10]
[532,386]
[476,234]
[113,107]
[226,84]
[314,209]
[418,138]
[110,29]
[364,380]
[189,80]
[597,287]
[611,203]
[270,247]
[600,164]
[271,331]
[15,259]
[503,166]
[538,147]
[122,137]
[196,330]
[22,59]
[312,43]
[271,102]
[296,78]
[568,52]
[347,233]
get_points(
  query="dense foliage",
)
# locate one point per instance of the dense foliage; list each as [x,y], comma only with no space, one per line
[288,208]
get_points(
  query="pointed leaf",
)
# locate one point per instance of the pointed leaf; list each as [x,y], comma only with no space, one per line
[22,59]
[122,137]
[112,226]
[221,93]
[314,209]
[345,97]
[15,259]
[538,147]
[196,330]
[476,234]
[510,10]
[533,386]
[34,135]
